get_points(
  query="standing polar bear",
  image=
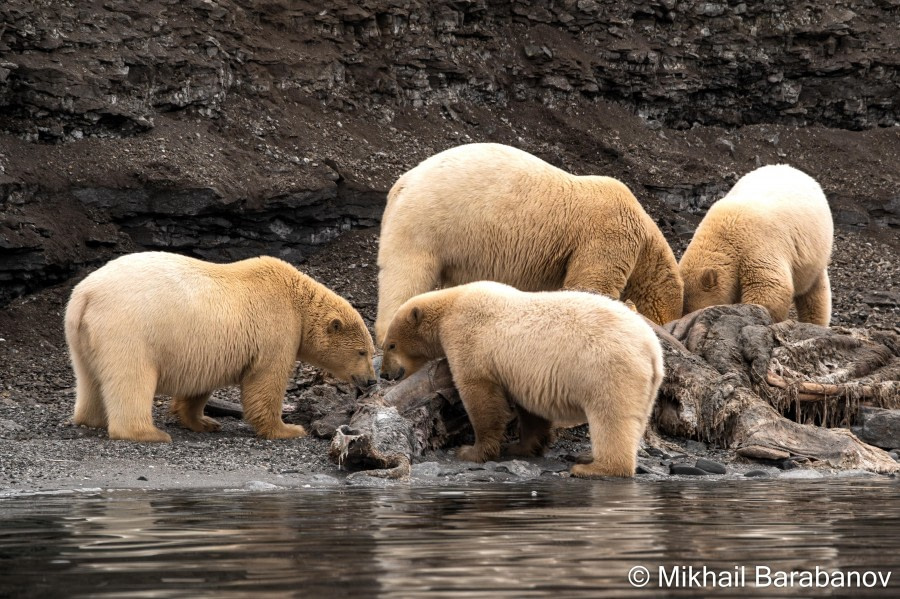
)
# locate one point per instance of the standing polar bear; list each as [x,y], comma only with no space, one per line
[492,212]
[156,322]
[567,357]
[767,242]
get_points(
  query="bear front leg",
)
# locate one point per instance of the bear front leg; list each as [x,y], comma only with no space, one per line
[489,413]
[262,394]
[189,411]
[815,305]
[405,276]
[534,435]
[768,286]
[601,268]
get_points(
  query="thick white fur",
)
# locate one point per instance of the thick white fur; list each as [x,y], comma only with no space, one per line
[768,242]
[491,212]
[565,357]
[156,322]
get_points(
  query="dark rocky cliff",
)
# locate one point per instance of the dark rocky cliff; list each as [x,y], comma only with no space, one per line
[230,128]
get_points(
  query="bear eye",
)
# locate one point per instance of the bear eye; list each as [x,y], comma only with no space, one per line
[392,346]
[362,352]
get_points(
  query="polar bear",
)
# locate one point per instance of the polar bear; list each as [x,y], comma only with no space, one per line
[767,242]
[155,322]
[564,357]
[489,211]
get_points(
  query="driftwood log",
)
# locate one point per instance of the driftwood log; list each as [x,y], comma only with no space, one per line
[773,391]
[733,379]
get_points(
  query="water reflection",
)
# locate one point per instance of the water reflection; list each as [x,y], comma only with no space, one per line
[569,538]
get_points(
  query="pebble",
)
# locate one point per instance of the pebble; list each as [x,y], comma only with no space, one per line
[642,469]
[658,453]
[756,473]
[711,466]
[687,470]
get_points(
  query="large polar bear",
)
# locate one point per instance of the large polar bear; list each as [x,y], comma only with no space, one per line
[564,357]
[156,322]
[767,242]
[491,212]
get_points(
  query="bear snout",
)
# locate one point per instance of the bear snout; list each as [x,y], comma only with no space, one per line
[364,382]
[393,375]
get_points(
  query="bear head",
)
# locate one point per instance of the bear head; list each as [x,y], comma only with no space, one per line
[343,346]
[705,288]
[410,341]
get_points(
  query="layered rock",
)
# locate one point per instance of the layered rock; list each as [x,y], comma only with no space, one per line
[225,128]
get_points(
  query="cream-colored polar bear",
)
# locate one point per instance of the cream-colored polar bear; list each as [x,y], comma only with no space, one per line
[156,322]
[492,212]
[767,242]
[564,357]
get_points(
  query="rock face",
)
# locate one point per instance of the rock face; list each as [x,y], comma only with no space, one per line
[226,128]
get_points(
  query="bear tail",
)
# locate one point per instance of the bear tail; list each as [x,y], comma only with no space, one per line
[74,316]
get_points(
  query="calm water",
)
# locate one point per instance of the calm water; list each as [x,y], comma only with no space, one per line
[565,538]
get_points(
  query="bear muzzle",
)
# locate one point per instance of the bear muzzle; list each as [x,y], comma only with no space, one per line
[395,375]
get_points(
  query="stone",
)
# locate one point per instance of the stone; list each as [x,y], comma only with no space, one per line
[684,469]
[644,469]
[756,473]
[711,466]
[878,426]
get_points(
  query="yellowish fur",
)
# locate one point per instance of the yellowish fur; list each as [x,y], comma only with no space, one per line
[564,357]
[156,322]
[767,242]
[492,212]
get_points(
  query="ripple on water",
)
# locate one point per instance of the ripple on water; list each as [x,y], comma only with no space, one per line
[568,538]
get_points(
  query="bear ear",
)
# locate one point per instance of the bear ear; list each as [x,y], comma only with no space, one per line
[709,279]
[415,316]
[335,325]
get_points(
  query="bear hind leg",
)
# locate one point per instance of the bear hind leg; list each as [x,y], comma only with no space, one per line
[489,413]
[189,410]
[815,305]
[535,434]
[128,398]
[614,445]
[89,409]
[262,395]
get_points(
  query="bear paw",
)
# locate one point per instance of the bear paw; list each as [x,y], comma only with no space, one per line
[473,453]
[285,431]
[204,424]
[592,470]
[152,435]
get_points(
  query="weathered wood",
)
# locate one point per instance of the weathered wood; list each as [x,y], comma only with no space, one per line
[812,391]
[720,391]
